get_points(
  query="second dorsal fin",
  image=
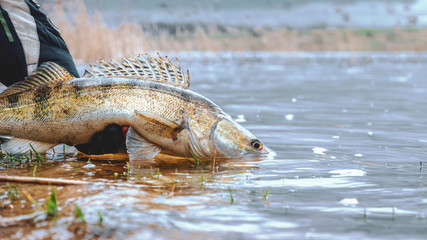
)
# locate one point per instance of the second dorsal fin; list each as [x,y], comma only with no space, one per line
[144,67]
[48,72]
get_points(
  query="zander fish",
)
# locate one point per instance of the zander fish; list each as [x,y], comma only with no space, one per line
[150,94]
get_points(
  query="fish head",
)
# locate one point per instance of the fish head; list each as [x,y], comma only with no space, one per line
[232,140]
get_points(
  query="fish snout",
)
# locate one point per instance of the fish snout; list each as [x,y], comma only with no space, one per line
[232,140]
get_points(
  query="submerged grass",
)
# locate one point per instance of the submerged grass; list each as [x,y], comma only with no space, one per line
[101,218]
[195,159]
[79,214]
[39,157]
[364,213]
[266,194]
[202,179]
[50,207]
[158,174]
[129,172]
[34,170]
[231,196]
[26,157]
[9,158]
[12,194]
[33,200]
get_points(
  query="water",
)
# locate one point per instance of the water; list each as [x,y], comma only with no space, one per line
[348,134]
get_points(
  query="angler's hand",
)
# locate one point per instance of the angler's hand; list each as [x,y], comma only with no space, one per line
[109,140]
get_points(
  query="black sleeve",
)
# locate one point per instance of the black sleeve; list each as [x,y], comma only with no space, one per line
[52,46]
[13,67]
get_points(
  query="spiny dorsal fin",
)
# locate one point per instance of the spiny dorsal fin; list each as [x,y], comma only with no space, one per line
[142,67]
[48,72]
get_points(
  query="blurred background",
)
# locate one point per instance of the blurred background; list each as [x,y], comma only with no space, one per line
[97,29]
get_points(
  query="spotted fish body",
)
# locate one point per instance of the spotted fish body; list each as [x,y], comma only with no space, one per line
[148,94]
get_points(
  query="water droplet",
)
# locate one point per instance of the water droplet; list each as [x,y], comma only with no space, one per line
[240,118]
[348,172]
[319,150]
[89,165]
[349,201]
[289,117]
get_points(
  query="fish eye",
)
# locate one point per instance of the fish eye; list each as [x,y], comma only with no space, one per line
[256,144]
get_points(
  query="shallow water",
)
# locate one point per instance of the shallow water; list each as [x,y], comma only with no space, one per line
[347,130]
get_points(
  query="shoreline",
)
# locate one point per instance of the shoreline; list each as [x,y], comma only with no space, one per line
[89,39]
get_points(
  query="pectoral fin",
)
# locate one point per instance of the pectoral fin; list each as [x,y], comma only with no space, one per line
[140,148]
[158,125]
[17,146]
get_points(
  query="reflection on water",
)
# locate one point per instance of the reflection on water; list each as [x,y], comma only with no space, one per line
[347,130]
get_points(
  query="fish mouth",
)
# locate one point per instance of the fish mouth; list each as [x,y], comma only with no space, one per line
[265,154]
[266,151]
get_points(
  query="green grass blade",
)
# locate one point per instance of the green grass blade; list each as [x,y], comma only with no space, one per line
[52,205]
[34,170]
[79,214]
[33,200]
[127,165]
[13,193]
[26,157]
[101,219]
[231,196]
[39,157]
[202,177]
[195,159]
[266,194]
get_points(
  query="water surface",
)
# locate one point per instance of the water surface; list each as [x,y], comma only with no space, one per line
[348,132]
